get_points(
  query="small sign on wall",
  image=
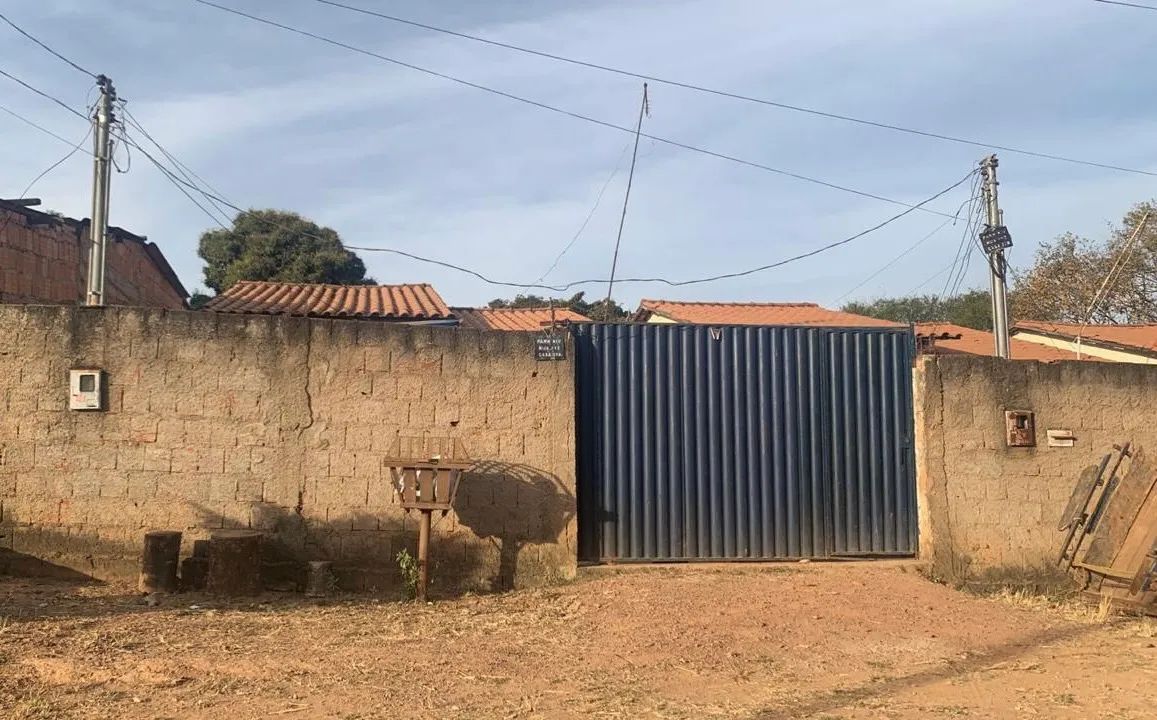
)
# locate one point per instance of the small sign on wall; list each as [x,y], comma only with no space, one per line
[550,347]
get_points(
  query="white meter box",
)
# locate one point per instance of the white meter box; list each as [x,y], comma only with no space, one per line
[86,389]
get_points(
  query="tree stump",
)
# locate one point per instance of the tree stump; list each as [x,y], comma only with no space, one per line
[159,560]
[235,562]
[318,578]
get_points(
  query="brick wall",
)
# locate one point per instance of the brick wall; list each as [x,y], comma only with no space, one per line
[280,424]
[48,264]
[985,506]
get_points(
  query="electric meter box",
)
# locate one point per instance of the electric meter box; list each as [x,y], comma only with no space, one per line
[86,389]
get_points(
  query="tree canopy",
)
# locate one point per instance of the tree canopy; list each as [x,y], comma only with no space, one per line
[1067,274]
[971,309]
[280,246]
[597,310]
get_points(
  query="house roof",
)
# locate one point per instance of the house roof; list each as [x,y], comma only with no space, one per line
[949,339]
[515,318]
[709,313]
[1130,338]
[387,302]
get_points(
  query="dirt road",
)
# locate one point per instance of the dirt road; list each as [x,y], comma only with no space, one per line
[806,641]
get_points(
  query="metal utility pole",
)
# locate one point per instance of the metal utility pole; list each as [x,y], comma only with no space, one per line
[102,159]
[995,239]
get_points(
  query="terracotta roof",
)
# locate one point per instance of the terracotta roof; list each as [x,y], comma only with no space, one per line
[705,313]
[388,302]
[1127,337]
[949,339]
[515,318]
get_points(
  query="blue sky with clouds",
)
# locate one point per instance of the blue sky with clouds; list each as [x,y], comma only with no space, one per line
[389,156]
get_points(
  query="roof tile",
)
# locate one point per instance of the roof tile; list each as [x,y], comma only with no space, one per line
[1140,337]
[949,339]
[388,302]
[706,313]
[517,319]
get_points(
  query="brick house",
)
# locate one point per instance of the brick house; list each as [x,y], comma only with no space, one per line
[44,261]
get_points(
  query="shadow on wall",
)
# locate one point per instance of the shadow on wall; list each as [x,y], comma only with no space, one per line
[514,506]
[511,530]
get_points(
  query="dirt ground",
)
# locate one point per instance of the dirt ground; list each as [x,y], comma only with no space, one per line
[851,640]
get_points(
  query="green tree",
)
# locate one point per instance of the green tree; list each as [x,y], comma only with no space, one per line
[280,246]
[598,310]
[971,309]
[198,300]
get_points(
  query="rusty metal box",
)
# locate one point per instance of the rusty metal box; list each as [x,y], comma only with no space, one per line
[1019,428]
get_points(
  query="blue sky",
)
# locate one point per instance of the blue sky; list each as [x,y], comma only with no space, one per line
[388,156]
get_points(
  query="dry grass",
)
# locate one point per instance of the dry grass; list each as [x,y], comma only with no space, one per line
[846,641]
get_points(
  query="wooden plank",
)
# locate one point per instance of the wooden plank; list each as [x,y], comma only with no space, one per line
[442,485]
[426,486]
[1140,539]
[1121,511]
[409,486]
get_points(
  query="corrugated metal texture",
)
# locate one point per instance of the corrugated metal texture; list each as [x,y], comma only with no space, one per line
[871,443]
[393,302]
[743,442]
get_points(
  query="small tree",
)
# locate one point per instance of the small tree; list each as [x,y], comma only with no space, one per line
[1068,273]
[598,310]
[971,309]
[280,246]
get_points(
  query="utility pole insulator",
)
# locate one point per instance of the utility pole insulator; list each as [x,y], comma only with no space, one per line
[995,239]
[102,160]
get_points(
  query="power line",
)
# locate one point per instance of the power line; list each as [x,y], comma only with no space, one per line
[895,260]
[559,110]
[749,98]
[46,96]
[667,281]
[561,288]
[50,168]
[41,128]
[58,163]
[181,168]
[179,183]
[566,286]
[969,202]
[591,214]
[1127,4]
[28,35]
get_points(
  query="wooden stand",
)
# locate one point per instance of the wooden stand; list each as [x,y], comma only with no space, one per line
[159,561]
[235,562]
[426,471]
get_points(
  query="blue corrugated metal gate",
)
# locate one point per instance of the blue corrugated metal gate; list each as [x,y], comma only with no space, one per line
[700,442]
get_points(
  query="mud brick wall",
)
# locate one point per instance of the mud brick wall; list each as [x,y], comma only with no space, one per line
[985,507]
[279,424]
